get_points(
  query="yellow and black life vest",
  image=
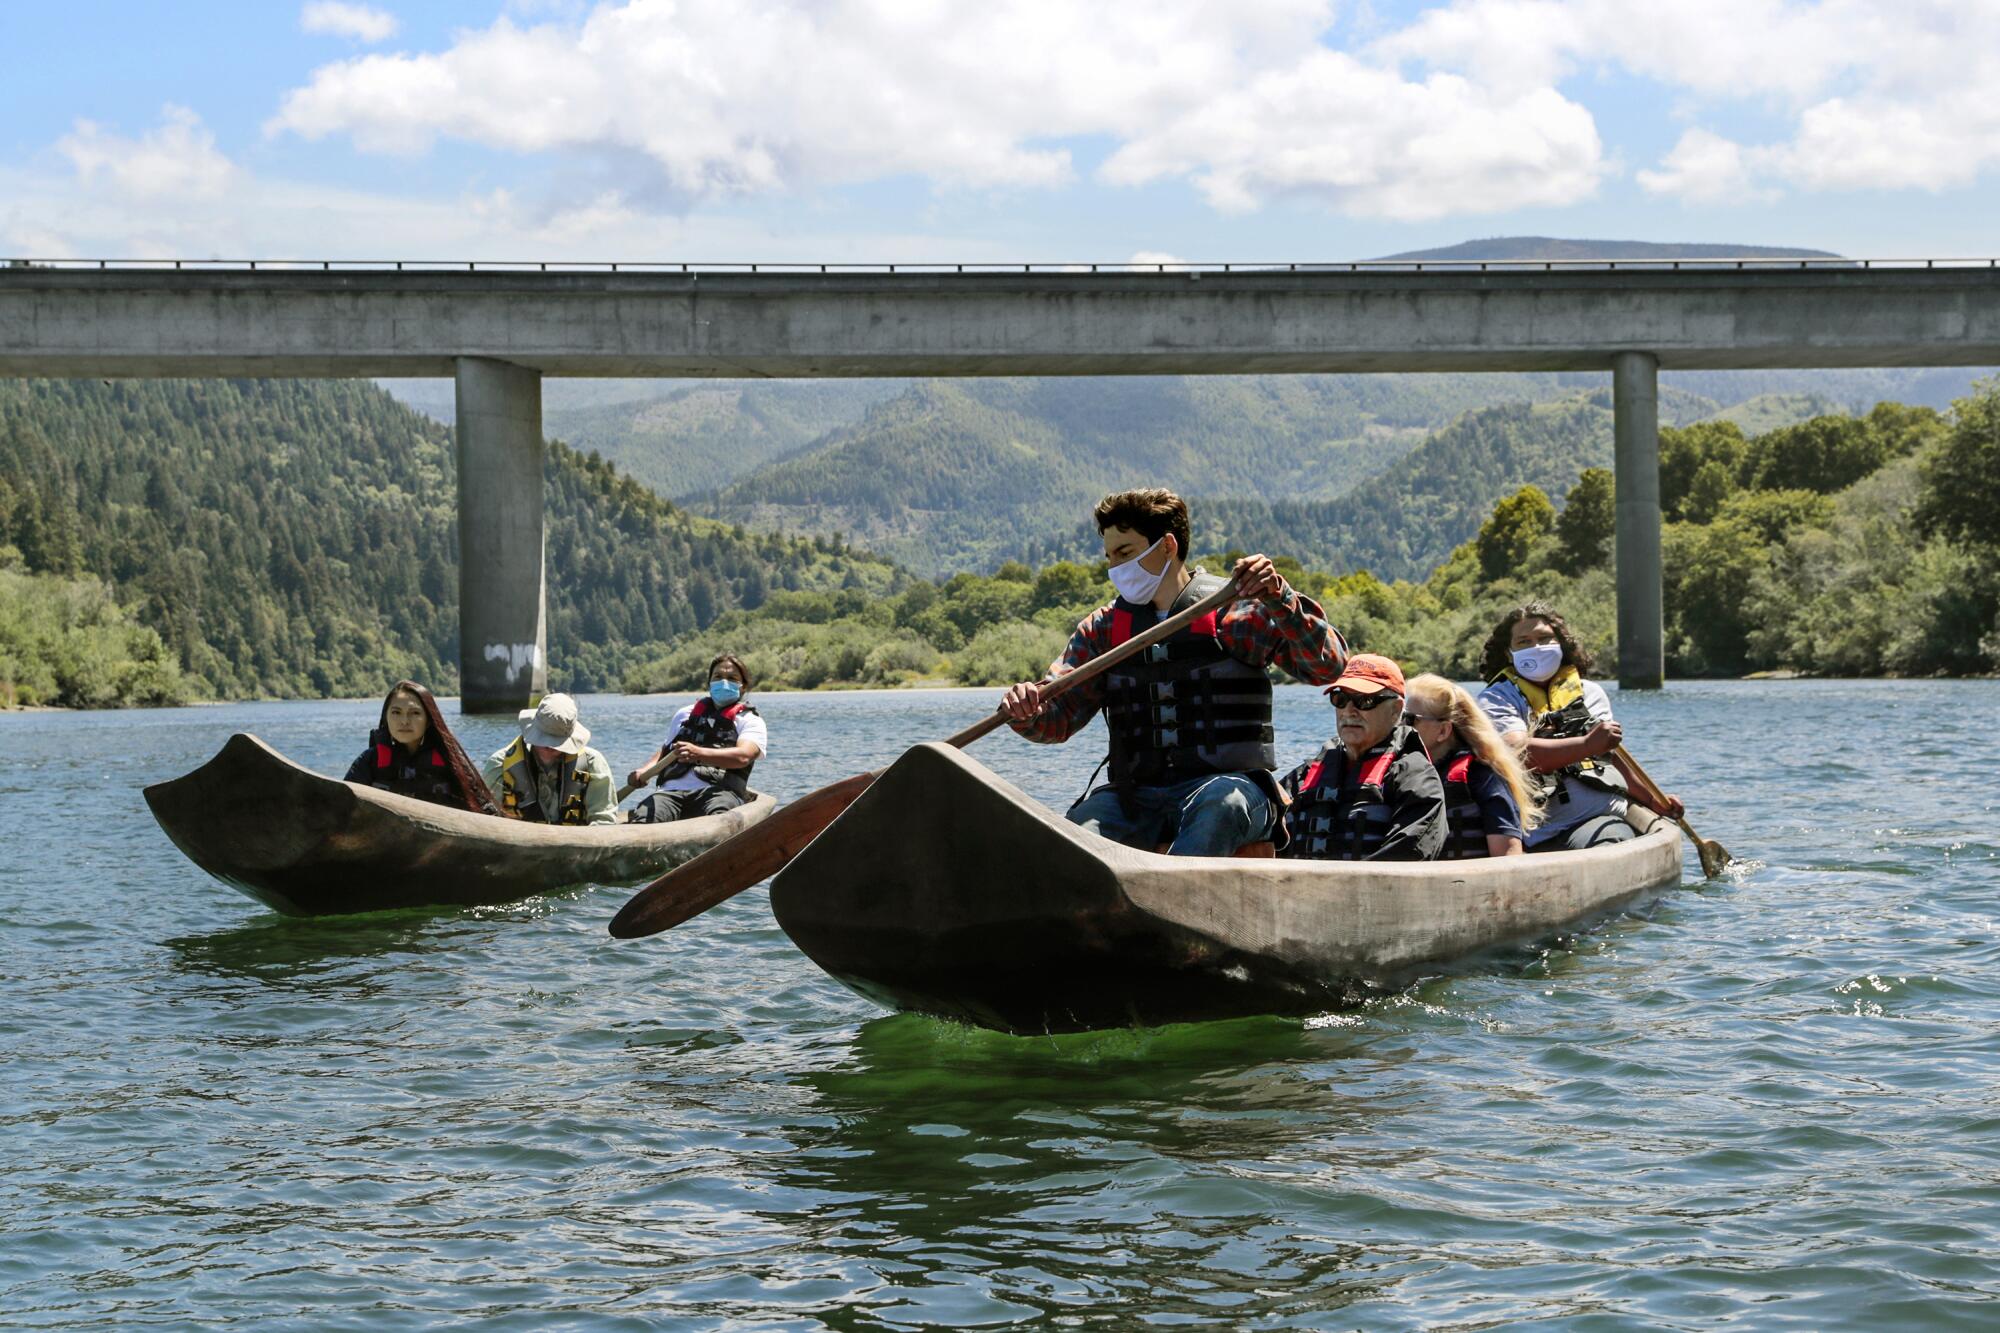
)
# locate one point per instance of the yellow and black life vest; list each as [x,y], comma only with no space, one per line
[519,797]
[1557,711]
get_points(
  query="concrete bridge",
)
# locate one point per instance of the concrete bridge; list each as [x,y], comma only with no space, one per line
[499,328]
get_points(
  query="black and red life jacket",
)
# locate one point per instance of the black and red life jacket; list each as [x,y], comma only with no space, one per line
[1328,823]
[1184,707]
[712,728]
[1465,822]
[425,775]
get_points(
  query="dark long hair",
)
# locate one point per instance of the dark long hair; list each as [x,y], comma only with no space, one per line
[472,788]
[1499,653]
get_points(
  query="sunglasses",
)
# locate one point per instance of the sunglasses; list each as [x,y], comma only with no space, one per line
[1367,703]
[1419,717]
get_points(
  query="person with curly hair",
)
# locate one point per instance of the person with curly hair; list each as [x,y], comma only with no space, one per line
[1561,725]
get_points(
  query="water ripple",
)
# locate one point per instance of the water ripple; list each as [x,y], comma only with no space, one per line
[1764,1100]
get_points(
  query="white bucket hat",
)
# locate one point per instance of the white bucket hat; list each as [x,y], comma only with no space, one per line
[553,724]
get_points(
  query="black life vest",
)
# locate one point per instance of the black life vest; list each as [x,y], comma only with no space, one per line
[712,728]
[1184,707]
[425,775]
[1465,822]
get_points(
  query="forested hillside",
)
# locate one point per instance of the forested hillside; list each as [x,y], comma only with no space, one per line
[1839,545]
[300,538]
[1401,523]
[704,436]
[965,474]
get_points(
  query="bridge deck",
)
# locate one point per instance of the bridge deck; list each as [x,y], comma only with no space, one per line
[148,321]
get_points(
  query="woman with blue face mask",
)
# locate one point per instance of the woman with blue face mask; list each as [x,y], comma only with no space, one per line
[715,742]
[1561,724]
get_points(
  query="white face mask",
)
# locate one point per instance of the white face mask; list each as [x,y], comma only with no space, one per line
[1133,581]
[1539,662]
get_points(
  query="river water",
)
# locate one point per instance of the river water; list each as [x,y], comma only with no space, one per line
[1765,1101]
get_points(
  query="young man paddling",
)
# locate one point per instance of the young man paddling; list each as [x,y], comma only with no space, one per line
[1190,719]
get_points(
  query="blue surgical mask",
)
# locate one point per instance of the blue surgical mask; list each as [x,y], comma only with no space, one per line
[1540,662]
[724,692]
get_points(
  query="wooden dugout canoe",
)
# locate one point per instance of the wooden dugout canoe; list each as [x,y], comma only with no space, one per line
[946,891]
[309,845]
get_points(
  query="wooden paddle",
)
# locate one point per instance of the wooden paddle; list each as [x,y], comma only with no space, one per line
[1714,857]
[760,851]
[646,774]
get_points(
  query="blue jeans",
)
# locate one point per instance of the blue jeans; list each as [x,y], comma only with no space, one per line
[1212,815]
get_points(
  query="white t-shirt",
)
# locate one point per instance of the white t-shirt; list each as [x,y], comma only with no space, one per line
[1572,802]
[749,729]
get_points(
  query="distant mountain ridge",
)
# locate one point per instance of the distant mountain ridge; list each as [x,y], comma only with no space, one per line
[1557,248]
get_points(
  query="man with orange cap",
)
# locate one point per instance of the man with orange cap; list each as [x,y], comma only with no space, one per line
[1372,794]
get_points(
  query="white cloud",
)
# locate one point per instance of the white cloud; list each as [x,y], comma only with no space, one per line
[1373,144]
[1877,95]
[1705,168]
[363,23]
[739,97]
[178,159]
[66,215]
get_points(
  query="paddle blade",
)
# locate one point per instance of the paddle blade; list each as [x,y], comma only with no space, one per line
[729,867]
[1714,857]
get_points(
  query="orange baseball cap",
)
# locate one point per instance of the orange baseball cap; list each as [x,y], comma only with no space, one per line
[1368,673]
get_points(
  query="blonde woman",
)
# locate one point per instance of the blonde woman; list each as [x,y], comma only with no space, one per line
[1489,806]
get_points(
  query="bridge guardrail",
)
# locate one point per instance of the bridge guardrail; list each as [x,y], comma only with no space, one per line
[1714,263]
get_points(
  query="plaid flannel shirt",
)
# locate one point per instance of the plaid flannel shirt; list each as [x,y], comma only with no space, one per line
[1290,632]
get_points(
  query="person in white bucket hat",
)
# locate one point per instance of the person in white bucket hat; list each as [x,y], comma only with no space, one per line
[549,772]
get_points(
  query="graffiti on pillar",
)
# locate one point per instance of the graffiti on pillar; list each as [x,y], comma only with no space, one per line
[519,657]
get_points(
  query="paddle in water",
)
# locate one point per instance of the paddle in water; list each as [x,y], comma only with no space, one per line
[1714,858]
[757,853]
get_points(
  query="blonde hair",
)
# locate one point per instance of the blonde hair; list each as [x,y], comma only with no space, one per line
[1437,697]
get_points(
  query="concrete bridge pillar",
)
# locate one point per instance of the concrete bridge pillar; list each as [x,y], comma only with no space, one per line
[502,600]
[1635,401]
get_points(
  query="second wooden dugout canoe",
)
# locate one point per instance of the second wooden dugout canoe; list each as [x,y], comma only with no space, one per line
[944,890]
[310,845]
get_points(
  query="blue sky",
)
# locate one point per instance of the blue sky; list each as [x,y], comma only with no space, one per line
[1008,130]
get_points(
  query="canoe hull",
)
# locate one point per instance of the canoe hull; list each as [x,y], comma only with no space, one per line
[944,890]
[308,845]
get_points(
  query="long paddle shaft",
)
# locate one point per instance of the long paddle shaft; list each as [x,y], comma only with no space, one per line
[762,850]
[1714,857]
